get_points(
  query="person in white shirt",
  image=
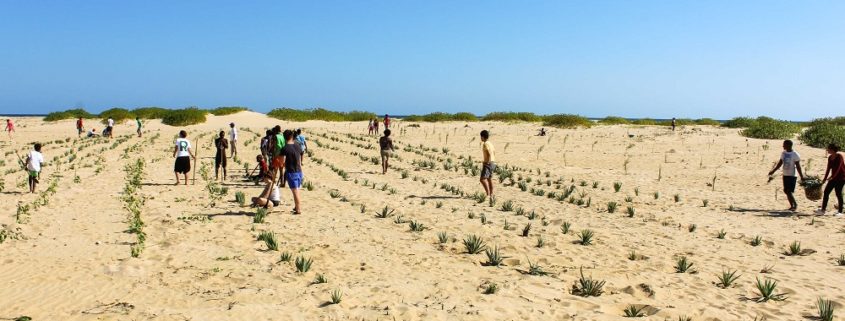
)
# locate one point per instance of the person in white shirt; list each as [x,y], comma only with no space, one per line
[110,128]
[233,139]
[790,160]
[270,196]
[183,153]
[33,166]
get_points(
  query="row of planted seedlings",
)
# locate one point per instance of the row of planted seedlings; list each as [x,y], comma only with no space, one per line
[133,202]
[766,287]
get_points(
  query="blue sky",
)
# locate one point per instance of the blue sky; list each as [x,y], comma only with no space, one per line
[656,59]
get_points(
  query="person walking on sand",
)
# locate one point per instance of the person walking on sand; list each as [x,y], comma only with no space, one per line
[138,121]
[375,126]
[183,154]
[221,144]
[835,177]
[110,128]
[370,127]
[79,127]
[488,164]
[277,143]
[33,166]
[300,140]
[386,121]
[386,146]
[10,127]
[291,156]
[673,123]
[790,160]
[233,137]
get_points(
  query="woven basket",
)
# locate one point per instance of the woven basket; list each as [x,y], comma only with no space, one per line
[813,193]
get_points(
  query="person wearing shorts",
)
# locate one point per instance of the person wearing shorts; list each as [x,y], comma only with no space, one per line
[270,197]
[386,147]
[488,164]
[790,160]
[110,128]
[220,143]
[183,153]
[277,143]
[33,166]
[138,121]
[291,156]
[300,140]
[79,127]
[233,137]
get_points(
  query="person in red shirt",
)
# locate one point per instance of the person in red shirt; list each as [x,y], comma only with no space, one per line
[79,127]
[386,121]
[835,177]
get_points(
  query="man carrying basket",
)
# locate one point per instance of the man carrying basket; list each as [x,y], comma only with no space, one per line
[790,160]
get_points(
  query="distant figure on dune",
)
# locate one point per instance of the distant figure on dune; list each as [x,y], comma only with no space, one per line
[183,154]
[370,127]
[375,126]
[79,127]
[10,127]
[277,143]
[300,141]
[673,123]
[386,121]
[33,166]
[386,146]
[790,160]
[488,163]
[233,137]
[835,177]
[138,122]
[92,133]
[109,128]
[265,144]
[220,143]
[542,132]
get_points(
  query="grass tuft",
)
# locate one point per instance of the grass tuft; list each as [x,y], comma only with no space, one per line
[727,278]
[586,237]
[474,244]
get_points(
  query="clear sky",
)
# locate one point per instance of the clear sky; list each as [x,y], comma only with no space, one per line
[659,59]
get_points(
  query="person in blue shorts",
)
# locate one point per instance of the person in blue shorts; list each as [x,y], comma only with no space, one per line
[292,158]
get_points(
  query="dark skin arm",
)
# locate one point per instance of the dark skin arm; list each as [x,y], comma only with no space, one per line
[779,164]
[827,172]
[798,168]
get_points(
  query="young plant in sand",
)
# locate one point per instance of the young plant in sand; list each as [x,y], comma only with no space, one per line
[494,257]
[825,308]
[682,265]
[337,296]
[726,279]
[532,215]
[260,214]
[629,199]
[630,211]
[416,226]
[633,311]
[586,286]
[320,279]
[721,235]
[442,237]
[507,206]
[793,249]
[617,186]
[240,198]
[269,239]
[491,288]
[302,264]
[385,212]
[767,290]
[526,230]
[692,228]
[677,198]
[586,237]
[704,203]
[656,195]
[285,257]
[611,207]
[540,242]
[474,244]
[840,261]
[757,240]
[535,269]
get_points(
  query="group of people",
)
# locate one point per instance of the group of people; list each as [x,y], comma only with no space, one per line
[372,126]
[834,175]
[108,132]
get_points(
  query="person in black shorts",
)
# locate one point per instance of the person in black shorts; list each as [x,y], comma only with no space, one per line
[183,153]
[386,147]
[221,144]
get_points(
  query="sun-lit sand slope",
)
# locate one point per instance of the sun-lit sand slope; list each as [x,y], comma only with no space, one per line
[70,259]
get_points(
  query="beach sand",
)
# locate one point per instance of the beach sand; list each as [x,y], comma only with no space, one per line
[70,259]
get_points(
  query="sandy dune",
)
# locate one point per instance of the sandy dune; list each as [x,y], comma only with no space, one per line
[70,259]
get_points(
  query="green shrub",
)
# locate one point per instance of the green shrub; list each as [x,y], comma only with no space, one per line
[291,114]
[512,116]
[823,133]
[464,116]
[769,128]
[184,117]
[614,120]
[708,122]
[740,122]
[68,114]
[222,111]
[566,121]
[644,122]
[436,117]
[118,114]
[150,112]
[440,117]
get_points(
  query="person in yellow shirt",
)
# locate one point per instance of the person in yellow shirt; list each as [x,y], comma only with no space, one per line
[488,165]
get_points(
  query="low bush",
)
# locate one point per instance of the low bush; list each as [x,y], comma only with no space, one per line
[440,116]
[291,114]
[184,117]
[150,112]
[769,128]
[740,122]
[222,111]
[820,134]
[644,122]
[614,120]
[707,122]
[566,121]
[68,114]
[118,114]
[512,116]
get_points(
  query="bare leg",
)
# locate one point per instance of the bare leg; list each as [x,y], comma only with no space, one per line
[186,179]
[486,189]
[296,208]
[177,177]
